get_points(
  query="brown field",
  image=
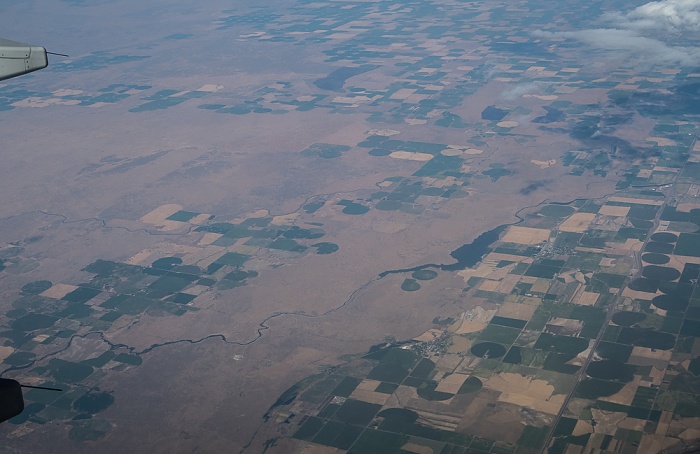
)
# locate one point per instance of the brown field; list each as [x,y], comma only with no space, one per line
[158,215]
[5,351]
[587,298]
[489,285]
[611,210]
[459,345]
[577,222]
[429,335]
[451,383]
[526,392]
[365,392]
[515,310]
[469,326]
[626,394]
[525,235]
[58,291]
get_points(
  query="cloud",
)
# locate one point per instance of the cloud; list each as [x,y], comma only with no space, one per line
[630,43]
[521,89]
[640,33]
[674,16]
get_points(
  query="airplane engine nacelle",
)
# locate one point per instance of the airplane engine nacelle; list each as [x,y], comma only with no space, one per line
[19,58]
[11,400]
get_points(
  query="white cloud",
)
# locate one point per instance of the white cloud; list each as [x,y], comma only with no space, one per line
[521,89]
[630,34]
[629,43]
[668,15]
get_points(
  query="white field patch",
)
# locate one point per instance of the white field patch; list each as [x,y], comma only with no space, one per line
[66,92]
[544,164]
[383,132]
[411,156]
[210,88]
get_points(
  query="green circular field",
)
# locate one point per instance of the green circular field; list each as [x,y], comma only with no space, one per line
[410,285]
[424,275]
[655,258]
[592,389]
[657,246]
[664,237]
[388,205]
[470,385]
[611,370]
[670,302]
[379,152]
[557,211]
[628,318]
[36,287]
[355,209]
[325,248]
[93,402]
[661,273]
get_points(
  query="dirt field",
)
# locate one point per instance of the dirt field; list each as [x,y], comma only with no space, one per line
[525,235]
[577,222]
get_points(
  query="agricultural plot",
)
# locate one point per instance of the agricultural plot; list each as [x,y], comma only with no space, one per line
[570,344]
[151,284]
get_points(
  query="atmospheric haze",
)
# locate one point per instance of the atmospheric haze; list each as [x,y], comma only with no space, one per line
[428,226]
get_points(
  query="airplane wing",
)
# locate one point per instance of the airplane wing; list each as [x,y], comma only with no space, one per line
[19,58]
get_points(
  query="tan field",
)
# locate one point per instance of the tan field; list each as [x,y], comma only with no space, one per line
[526,392]
[365,392]
[451,383]
[612,210]
[525,235]
[515,310]
[577,222]
[58,291]
[158,215]
[587,298]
